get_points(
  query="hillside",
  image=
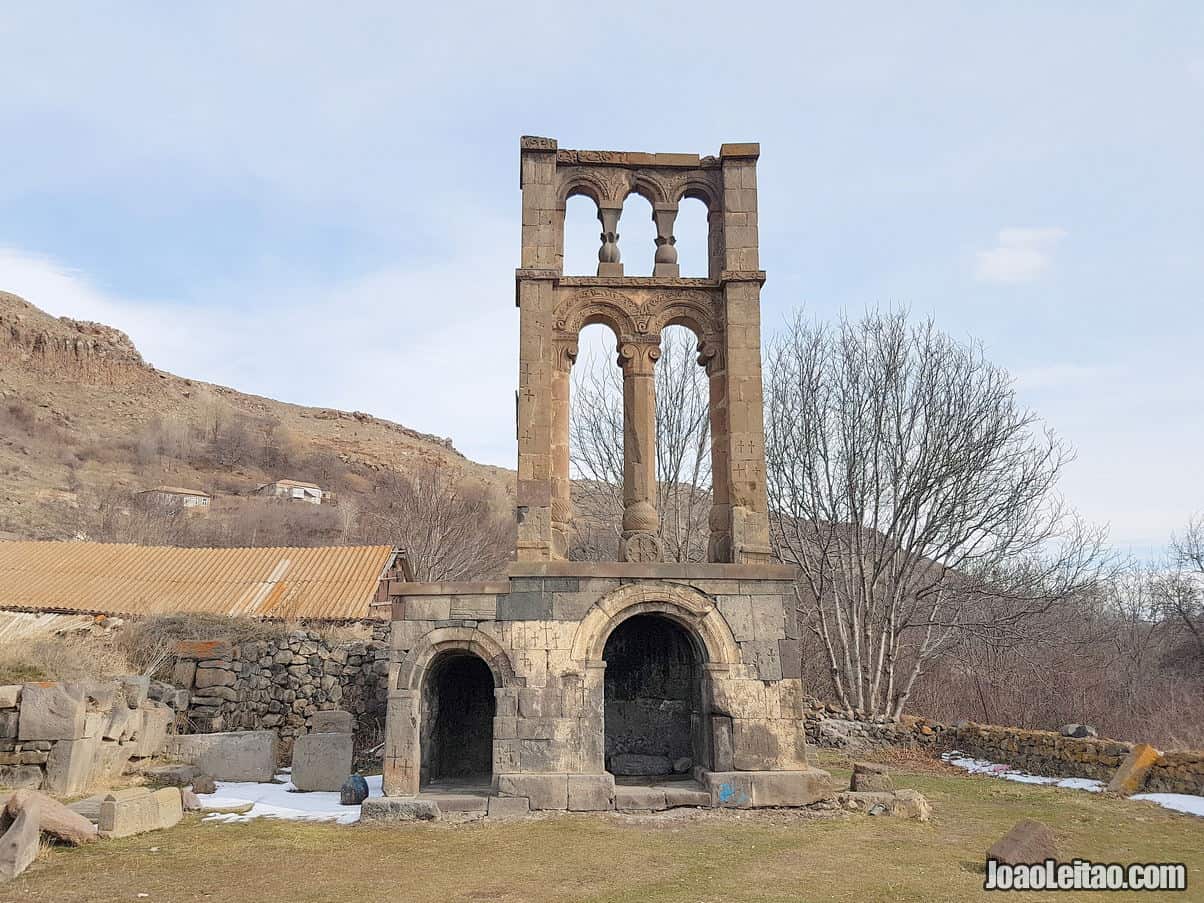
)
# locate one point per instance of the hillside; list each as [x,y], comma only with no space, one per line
[85,423]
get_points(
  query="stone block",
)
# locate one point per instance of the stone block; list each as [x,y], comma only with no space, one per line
[1028,842]
[685,794]
[183,673]
[152,735]
[171,806]
[911,804]
[321,761]
[1131,775]
[572,606]
[508,806]
[639,798]
[870,776]
[334,721]
[637,764]
[69,767]
[214,677]
[791,657]
[54,818]
[88,807]
[591,792]
[109,760]
[10,696]
[52,711]
[124,813]
[396,808]
[179,775]
[118,727]
[134,687]
[737,611]
[9,719]
[20,777]
[745,789]
[428,608]
[544,791]
[524,606]
[230,756]
[462,803]
[18,843]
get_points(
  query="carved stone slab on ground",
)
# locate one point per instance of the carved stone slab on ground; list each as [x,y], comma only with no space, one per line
[1029,841]
[230,756]
[1131,775]
[322,761]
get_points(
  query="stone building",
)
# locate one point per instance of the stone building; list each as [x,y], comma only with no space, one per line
[680,680]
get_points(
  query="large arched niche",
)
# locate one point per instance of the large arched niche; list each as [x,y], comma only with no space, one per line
[691,609]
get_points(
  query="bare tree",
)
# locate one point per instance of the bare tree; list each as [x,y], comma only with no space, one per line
[1181,591]
[683,452]
[447,525]
[916,497]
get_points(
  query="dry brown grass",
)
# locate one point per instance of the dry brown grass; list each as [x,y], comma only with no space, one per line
[62,658]
[717,857]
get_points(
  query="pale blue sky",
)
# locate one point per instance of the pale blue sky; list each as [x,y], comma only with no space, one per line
[320,202]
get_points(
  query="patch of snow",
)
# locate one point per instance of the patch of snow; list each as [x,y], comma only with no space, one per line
[1180,802]
[280,801]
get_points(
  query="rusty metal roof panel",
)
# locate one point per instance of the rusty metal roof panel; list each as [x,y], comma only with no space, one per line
[336,583]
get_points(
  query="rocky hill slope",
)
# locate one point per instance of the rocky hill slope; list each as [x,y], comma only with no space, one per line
[85,423]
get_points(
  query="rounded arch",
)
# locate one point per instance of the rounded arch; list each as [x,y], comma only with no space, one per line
[650,188]
[697,189]
[584,184]
[688,607]
[418,660]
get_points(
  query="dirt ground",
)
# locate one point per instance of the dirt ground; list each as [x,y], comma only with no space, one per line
[684,856]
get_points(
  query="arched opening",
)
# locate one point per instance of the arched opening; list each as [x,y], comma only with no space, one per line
[655,725]
[692,232]
[580,237]
[596,446]
[637,243]
[458,706]
[683,446]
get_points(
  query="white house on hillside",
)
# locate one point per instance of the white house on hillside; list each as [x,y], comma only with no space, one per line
[296,491]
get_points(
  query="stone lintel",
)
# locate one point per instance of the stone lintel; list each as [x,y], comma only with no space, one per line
[637,282]
[750,150]
[650,571]
[628,158]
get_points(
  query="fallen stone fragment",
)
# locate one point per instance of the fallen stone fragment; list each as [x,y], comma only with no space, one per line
[127,812]
[18,843]
[1078,731]
[203,783]
[1029,842]
[1131,775]
[179,775]
[53,817]
[189,800]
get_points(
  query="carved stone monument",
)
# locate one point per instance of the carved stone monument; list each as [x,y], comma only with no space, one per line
[683,679]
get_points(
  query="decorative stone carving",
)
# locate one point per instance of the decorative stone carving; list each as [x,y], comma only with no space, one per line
[642,547]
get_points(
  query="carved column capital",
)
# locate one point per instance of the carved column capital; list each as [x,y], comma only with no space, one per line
[638,355]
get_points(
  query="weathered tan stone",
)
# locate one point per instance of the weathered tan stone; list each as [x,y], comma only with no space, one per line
[127,812]
[1131,775]
[321,761]
[170,806]
[1028,842]
[52,711]
[10,696]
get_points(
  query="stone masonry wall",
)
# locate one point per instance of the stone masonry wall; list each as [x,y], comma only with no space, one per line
[1038,752]
[66,738]
[279,684]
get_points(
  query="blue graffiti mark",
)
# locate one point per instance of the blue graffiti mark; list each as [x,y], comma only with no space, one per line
[725,792]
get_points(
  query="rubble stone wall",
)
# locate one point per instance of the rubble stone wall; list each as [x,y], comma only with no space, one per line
[279,684]
[1038,752]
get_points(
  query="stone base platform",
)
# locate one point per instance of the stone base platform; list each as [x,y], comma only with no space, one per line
[518,795]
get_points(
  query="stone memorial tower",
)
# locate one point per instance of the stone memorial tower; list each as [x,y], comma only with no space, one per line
[681,680]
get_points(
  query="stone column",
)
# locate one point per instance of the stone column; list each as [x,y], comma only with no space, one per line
[402,747]
[608,255]
[641,523]
[562,502]
[665,262]
[719,545]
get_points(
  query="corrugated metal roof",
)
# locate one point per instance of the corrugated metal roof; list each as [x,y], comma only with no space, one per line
[176,490]
[331,583]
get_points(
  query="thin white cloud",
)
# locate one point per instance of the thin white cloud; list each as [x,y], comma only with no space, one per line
[1020,255]
[431,348]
